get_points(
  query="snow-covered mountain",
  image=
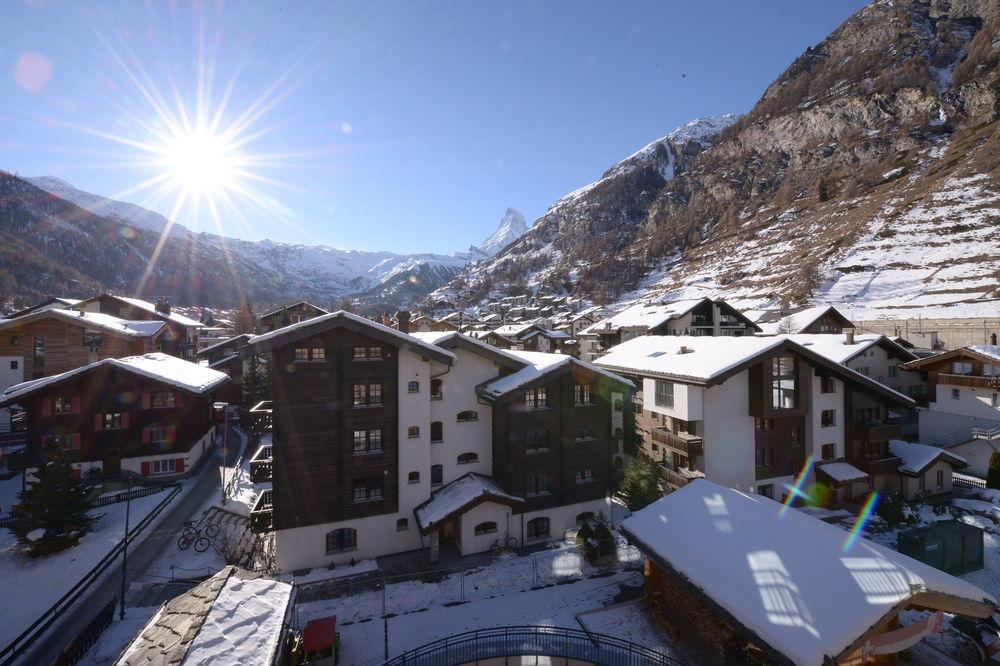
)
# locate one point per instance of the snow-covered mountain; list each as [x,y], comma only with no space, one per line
[512,227]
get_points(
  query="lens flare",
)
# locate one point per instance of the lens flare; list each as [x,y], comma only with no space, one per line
[863,518]
[795,490]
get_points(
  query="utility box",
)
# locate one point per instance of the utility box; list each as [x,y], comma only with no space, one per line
[951,546]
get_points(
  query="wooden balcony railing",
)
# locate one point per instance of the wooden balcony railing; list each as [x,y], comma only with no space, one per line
[261,465]
[969,381]
[689,445]
[881,466]
[261,418]
[262,514]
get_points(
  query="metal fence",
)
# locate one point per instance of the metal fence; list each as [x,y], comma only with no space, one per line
[85,640]
[122,496]
[472,646]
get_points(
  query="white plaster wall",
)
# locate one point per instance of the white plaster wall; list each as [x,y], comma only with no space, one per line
[500,514]
[977,454]
[458,388]
[974,403]
[305,547]
[191,457]
[561,518]
[414,410]
[729,434]
[821,401]
[688,400]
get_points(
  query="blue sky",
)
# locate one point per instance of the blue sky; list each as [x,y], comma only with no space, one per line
[401,126]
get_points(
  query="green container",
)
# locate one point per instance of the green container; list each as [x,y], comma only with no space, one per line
[950,546]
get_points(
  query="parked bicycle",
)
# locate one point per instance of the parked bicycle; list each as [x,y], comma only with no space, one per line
[200,538]
[507,543]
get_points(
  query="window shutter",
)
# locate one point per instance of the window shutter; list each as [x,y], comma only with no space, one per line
[46,406]
[76,404]
[124,420]
[180,465]
[147,400]
[98,421]
[145,436]
[171,433]
[178,398]
[76,474]
[145,469]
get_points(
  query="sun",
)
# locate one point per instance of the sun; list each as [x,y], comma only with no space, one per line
[199,161]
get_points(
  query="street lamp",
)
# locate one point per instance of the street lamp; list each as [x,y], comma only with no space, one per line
[128,510]
[222,417]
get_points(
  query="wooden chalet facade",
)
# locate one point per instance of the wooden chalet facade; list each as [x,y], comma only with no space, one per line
[181,335]
[288,314]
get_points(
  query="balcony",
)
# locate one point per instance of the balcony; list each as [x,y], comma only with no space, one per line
[262,514]
[680,476]
[689,445]
[261,465]
[260,418]
[879,466]
[879,432]
[970,381]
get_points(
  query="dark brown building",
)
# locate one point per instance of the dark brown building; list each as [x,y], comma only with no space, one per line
[289,314]
[181,335]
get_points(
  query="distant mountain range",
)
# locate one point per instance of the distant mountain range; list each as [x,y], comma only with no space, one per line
[199,268]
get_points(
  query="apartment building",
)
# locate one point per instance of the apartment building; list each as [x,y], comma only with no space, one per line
[386,441]
[749,412]
[181,335]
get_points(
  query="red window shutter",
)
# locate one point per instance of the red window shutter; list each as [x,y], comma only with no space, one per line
[98,421]
[171,433]
[145,469]
[147,400]
[124,420]
[75,440]
[76,473]
[76,404]
[145,436]
[180,465]
[46,406]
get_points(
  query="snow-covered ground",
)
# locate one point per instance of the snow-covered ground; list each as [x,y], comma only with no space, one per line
[630,622]
[32,585]
[117,636]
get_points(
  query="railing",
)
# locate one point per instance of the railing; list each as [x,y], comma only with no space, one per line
[261,465]
[673,477]
[988,430]
[262,514]
[570,644]
[690,445]
[122,496]
[78,648]
[971,381]
[260,418]
[65,603]
[968,481]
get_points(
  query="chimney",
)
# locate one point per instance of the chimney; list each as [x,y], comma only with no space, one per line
[403,321]
[849,336]
[163,305]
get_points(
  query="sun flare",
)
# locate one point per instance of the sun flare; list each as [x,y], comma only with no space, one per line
[199,161]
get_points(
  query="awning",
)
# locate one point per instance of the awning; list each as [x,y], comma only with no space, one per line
[319,634]
[841,472]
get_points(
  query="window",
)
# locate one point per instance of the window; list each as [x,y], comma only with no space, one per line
[488,527]
[63,406]
[413,477]
[535,398]
[828,418]
[539,483]
[413,387]
[158,434]
[13,365]
[827,385]
[784,389]
[956,394]
[763,425]
[961,368]
[413,432]
[894,371]
[765,457]
[583,434]
[367,395]
[664,393]
[536,440]
[581,394]
[113,421]
[360,353]
[164,466]
[301,353]
[367,441]
[402,525]
[367,353]
[318,354]
[991,369]
[468,415]
[437,475]
[375,352]
[163,399]
[584,475]
[940,479]
[367,490]
[538,528]
[341,540]
[766,490]
[437,431]
[828,451]
[436,389]
[466,458]
[619,405]
[794,436]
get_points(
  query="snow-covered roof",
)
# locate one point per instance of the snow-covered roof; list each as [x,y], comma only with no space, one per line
[291,305]
[234,617]
[513,330]
[91,320]
[539,365]
[842,472]
[916,458]
[799,321]
[993,351]
[786,577]
[552,335]
[459,495]
[643,315]
[834,345]
[242,338]
[443,338]
[331,319]
[175,317]
[157,366]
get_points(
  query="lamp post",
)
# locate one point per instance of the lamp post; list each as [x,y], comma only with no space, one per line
[222,417]
[128,511]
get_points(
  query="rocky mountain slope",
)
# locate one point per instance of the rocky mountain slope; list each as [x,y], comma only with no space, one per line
[267,271]
[867,173]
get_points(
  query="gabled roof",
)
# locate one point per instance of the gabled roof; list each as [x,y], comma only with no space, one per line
[541,368]
[455,340]
[122,328]
[711,360]
[984,353]
[51,303]
[459,496]
[237,340]
[834,345]
[546,333]
[798,322]
[292,305]
[146,306]
[787,581]
[917,458]
[644,315]
[176,372]
[515,331]
[304,329]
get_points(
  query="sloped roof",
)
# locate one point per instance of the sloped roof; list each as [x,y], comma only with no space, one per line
[291,305]
[644,315]
[787,579]
[151,307]
[842,472]
[986,353]
[916,458]
[452,339]
[123,328]
[834,345]
[239,340]
[798,322]
[461,495]
[540,365]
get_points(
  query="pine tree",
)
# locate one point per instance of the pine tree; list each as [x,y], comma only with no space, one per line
[245,322]
[993,473]
[52,514]
[641,483]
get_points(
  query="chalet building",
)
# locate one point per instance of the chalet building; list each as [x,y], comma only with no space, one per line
[818,320]
[747,413]
[962,402]
[224,356]
[767,585]
[696,317]
[51,303]
[149,415]
[529,337]
[574,322]
[181,335]
[289,314]
[385,441]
